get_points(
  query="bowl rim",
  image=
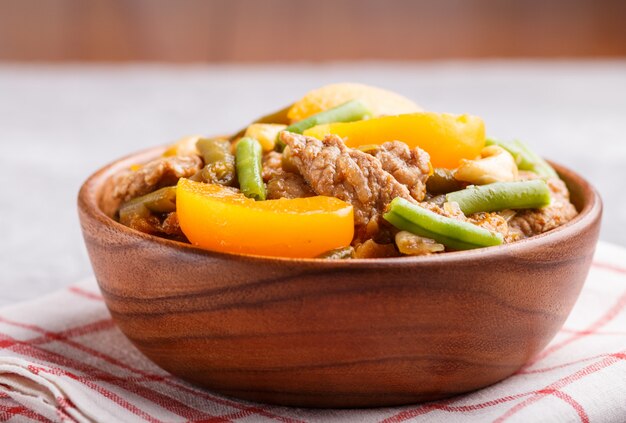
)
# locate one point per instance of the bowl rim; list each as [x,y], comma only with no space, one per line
[90,189]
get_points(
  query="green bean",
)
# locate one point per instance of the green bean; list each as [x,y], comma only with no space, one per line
[213,149]
[539,165]
[162,200]
[249,168]
[450,232]
[219,163]
[338,254]
[501,196]
[525,158]
[442,181]
[346,112]
[131,210]
[523,161]
[159,201]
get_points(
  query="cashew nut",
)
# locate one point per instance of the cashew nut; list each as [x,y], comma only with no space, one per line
[495,165]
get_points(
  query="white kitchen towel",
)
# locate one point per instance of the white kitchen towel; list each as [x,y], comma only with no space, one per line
[63,359]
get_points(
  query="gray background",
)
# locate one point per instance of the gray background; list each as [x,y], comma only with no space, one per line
[59,124]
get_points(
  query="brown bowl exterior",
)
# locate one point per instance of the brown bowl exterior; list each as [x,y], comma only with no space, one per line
[358,333]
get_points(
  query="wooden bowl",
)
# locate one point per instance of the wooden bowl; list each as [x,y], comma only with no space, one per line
[356,333]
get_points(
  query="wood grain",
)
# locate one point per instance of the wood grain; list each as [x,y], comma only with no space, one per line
[307,30]
[358,333]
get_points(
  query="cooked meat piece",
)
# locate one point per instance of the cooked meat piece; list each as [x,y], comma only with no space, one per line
[526,175]
[446,209]
[149,225]
[288,185]
[409,167]
[280,183]
[371,249]
[377,229]
[156,174]
[527,223]
[333,169]
[514,234]
[338,253]
[272,165]
[168,227]
[491,221]
[171,226]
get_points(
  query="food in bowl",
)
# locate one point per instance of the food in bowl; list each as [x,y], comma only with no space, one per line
[348,171]
[332,332]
